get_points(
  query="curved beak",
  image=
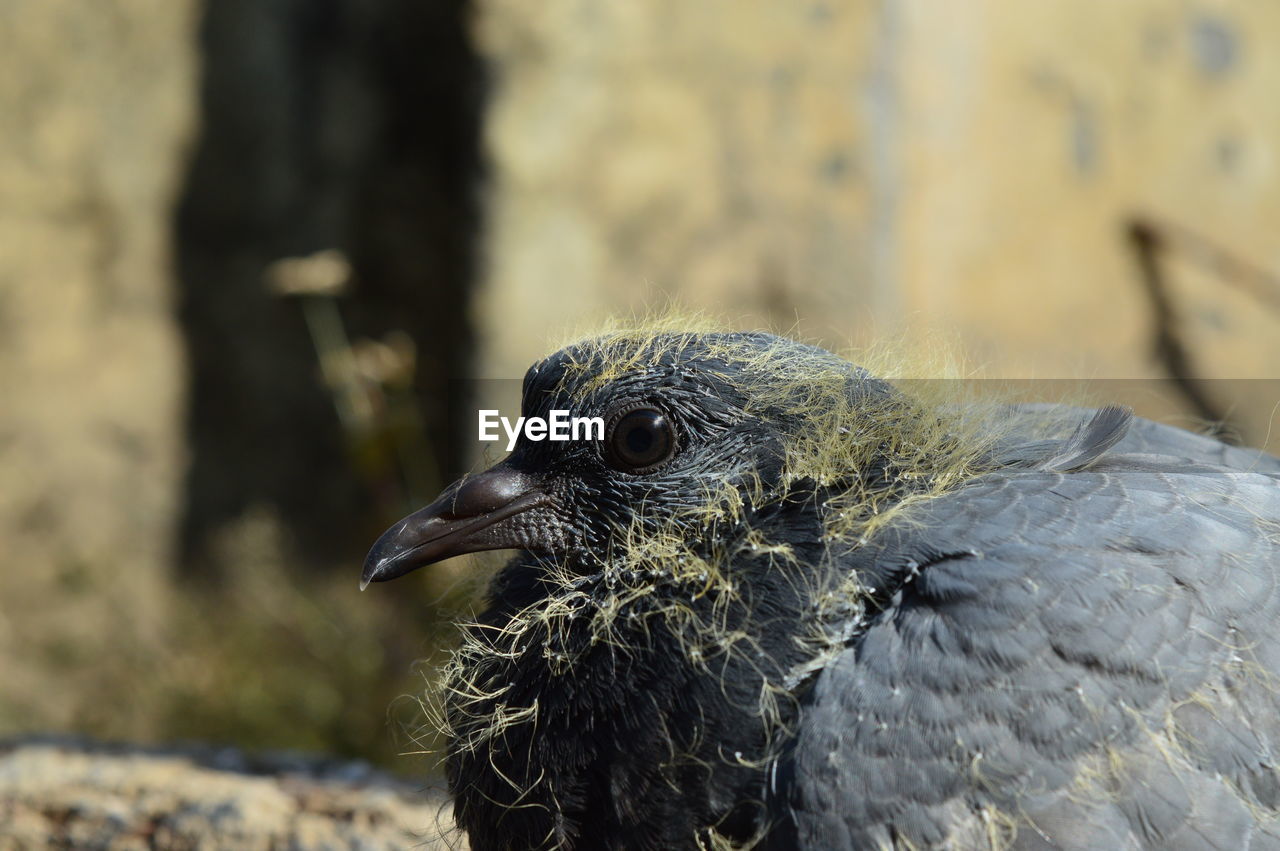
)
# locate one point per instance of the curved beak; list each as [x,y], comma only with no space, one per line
[498,509]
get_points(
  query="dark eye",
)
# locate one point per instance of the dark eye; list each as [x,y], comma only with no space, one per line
[640,440]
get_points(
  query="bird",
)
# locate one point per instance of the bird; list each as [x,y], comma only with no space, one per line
[785,603]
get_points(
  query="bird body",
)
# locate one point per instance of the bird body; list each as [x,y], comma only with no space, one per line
[786,604]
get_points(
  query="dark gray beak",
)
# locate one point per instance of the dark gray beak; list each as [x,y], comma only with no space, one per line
[498,509]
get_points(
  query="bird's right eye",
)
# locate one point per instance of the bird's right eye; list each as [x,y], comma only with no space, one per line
[639,440]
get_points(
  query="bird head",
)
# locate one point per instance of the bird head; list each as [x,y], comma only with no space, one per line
[698,429]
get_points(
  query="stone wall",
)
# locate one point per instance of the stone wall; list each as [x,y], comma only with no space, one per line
[853,167]
[96,118]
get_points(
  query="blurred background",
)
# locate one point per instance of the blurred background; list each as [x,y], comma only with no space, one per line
[252,251]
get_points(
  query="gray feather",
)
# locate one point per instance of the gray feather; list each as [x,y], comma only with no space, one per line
[1089,442]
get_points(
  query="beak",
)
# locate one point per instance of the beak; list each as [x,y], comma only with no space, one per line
[498,509]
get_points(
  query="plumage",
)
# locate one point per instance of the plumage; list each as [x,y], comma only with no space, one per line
[787,604]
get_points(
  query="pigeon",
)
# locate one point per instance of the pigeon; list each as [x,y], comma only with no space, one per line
[783,603]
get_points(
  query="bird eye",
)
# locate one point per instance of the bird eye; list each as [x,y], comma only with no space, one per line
[640,440]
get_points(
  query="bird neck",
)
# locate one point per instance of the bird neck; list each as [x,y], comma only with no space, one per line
[625,703]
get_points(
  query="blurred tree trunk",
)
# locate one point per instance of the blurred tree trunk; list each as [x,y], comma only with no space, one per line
[326,124]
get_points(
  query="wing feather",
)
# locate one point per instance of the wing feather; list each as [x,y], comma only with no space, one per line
[1095,665]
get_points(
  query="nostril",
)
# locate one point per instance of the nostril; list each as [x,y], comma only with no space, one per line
[487,492]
